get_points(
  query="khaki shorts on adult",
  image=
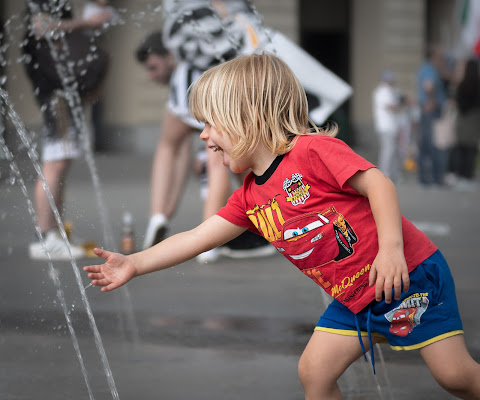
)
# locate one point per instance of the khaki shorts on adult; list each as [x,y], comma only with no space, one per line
[60,137]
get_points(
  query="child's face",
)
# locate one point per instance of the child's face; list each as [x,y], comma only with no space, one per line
[218,142]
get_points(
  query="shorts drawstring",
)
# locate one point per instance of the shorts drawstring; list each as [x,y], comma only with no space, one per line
[369,333]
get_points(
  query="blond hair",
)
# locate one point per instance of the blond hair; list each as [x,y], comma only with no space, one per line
[254,99]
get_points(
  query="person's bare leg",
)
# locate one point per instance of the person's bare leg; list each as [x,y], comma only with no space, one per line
[182,168]
[219,188]
[55,173]
[453,367]
[165,174]
[325,358]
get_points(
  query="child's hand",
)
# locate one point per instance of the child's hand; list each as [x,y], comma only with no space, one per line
[117,270]
[389,269]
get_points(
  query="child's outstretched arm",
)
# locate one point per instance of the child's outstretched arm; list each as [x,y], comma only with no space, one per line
[118,269]
[389,268]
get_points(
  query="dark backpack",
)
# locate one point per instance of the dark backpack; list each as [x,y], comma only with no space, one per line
[81,62]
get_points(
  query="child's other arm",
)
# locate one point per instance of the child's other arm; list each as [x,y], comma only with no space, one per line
[118,269]
[389,268]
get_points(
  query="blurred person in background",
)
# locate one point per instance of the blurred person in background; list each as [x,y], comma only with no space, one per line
[386,108]
[172,157]
[48,21]
[467,98]
[432,97]
[408,120]
[197,35]
[92,9]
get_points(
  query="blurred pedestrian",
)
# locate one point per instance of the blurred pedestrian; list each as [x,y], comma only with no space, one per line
[92,9]
[432,162]
[386,109]
[172,157]
[196,36]
[467,97]
[407,120]
[47,23]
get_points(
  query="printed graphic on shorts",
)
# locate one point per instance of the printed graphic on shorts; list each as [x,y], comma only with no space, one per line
[408,315]
[297,191]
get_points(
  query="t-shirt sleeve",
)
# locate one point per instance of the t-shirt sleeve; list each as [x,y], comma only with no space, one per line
[335,162]
[235,210]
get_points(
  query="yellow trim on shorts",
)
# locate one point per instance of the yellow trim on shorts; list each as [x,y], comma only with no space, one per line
[348,332]
[429,341]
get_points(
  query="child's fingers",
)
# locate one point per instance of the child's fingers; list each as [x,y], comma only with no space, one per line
[406,281]
[397,288]
[372,277]
[388,284]
[92,268]
[379,289]
[101,282]
[95,276]
[111,286]
[102,253]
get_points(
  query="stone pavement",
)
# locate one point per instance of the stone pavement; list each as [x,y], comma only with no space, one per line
[230,330]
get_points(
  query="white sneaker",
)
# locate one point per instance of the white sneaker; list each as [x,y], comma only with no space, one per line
[156,230]
[209,256]
[266,250]
[56,248]
[466,185]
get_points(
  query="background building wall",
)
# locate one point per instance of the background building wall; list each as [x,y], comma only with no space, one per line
[381,34]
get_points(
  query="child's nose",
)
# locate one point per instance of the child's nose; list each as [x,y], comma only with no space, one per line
[204,135]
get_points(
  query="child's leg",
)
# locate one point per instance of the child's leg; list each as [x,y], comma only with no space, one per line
[324,360]
[453,367]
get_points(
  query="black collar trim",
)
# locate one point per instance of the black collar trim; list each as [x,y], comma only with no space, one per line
[260,180]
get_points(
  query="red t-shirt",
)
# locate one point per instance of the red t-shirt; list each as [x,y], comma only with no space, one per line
[304,206]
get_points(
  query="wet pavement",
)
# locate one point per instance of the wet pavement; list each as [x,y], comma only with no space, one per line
[229,330]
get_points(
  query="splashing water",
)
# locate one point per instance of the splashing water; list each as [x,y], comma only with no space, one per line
[52,273]
[67,76]
[32,154]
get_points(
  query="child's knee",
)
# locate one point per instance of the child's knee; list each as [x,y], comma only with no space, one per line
[312,373]
[316,381]
[459,382]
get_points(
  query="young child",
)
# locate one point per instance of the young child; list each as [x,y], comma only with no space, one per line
[332,214]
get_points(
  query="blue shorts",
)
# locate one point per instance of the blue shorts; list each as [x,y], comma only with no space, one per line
[427,313]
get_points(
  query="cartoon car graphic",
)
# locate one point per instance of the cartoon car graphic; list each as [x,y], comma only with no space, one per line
[403,321]
[316,238]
